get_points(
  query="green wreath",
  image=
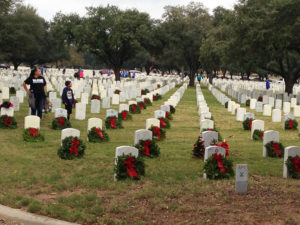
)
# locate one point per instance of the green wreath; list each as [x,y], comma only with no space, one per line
[246,124]
[7,122]
[142,104]
[294,125]
[220,139]
[172,109]
[162,134]
[97,97]
[60,123]
[260,99]
[117,92]
[144,91]
[33,135]
[213,172]
[118,123]
[128,116]
[157,97]
[137,109]
[169,116]
[12,91]
[199,148]
[121,168]
[97,135]
[278,153]
[258,135]
[72,147]
[248,102]
[293,166]
[147,102]
[154,149]
[226,105]
[166,121]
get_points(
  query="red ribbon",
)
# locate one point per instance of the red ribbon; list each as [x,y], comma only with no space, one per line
[143,92]
[146,150]
[113,123]
[96,97]
[262,136]
[130,167]
[276,147]
[75,143]
[154,97]
[133,108]
[146,100]
[250,124]
[98,131]
[7,121]
[163,124]
[124,114]
[61,121]
[167,115]
[141,105]
[225,145]
[219,159]
[117,92]
[33,132]
[296,163]
[291,124]
[156,132]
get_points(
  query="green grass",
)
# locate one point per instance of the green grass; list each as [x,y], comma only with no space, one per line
[34,178]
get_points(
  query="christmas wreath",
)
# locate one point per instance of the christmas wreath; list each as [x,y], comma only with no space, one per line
[129,167]
[224,145]
[293,166]
[274,149]
[60,123]
[95,97]
[260,99]
[148,148]
[8,122]
[157,97]
[172,109]
[258,135]
[33,135]
[6,105]
[218,167]
[247,124]
[144,91]
[169,116]
[158,133]
[226,105]
[158,86]
[142,105]
[248,102]
[12,90]
[134,109]
[291,124]
[164,123]
[112,122]
[147,102]
[219,134]
[117,92]
[72,147]
[97,135]
[199,149]
[124,115]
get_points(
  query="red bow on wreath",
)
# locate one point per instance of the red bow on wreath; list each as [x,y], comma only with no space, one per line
[124,115]
[61,121]
[276,147]
[219,159]
[74,144]
[96,97]
[163,124]
[250,124]
[296,163]
[146,150]
[7,121]
[291,124]
[167,115]
[130,167]
[133,108]
[154,97]
[143,92]
[156,131]
[141,105]
[113,123]
[33,132]
[146,100]
[225,145]
[98,131]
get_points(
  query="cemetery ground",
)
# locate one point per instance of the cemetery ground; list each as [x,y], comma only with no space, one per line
[35,179]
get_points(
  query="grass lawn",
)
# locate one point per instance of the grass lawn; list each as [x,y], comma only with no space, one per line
[34,178]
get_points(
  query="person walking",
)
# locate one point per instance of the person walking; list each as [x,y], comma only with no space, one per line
[199,77]
[267,83]
[68,98]
[36,92]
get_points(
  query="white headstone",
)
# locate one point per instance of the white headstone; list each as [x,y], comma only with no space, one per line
[269,135]
[69,132]
[60,113]
[257,125]
[94,122]
[206,124]
[32,122]
[267,110]
[95,106]
[111,112]
[208,137]
[152,122]
[276,115]
[289,151]
[80,111]
[159,114]
[142,135]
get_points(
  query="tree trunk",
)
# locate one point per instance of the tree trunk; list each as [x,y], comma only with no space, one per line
[231,75]
[242,75]
[248,75]
[117,74]
[192,79]
[210,77]
[290,80]
[16,65]
[224,73]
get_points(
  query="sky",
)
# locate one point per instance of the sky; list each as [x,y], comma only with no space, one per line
[48,8]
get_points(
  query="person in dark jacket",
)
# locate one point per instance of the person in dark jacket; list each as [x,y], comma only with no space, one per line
[68,98]
[38,89]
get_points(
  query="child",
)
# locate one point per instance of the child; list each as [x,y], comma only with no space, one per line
[68,98]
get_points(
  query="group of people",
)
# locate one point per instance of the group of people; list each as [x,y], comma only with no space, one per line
[37,93]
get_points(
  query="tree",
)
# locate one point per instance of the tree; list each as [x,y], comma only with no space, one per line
[187,27]
[7,6]
[22,36]
[113,35]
